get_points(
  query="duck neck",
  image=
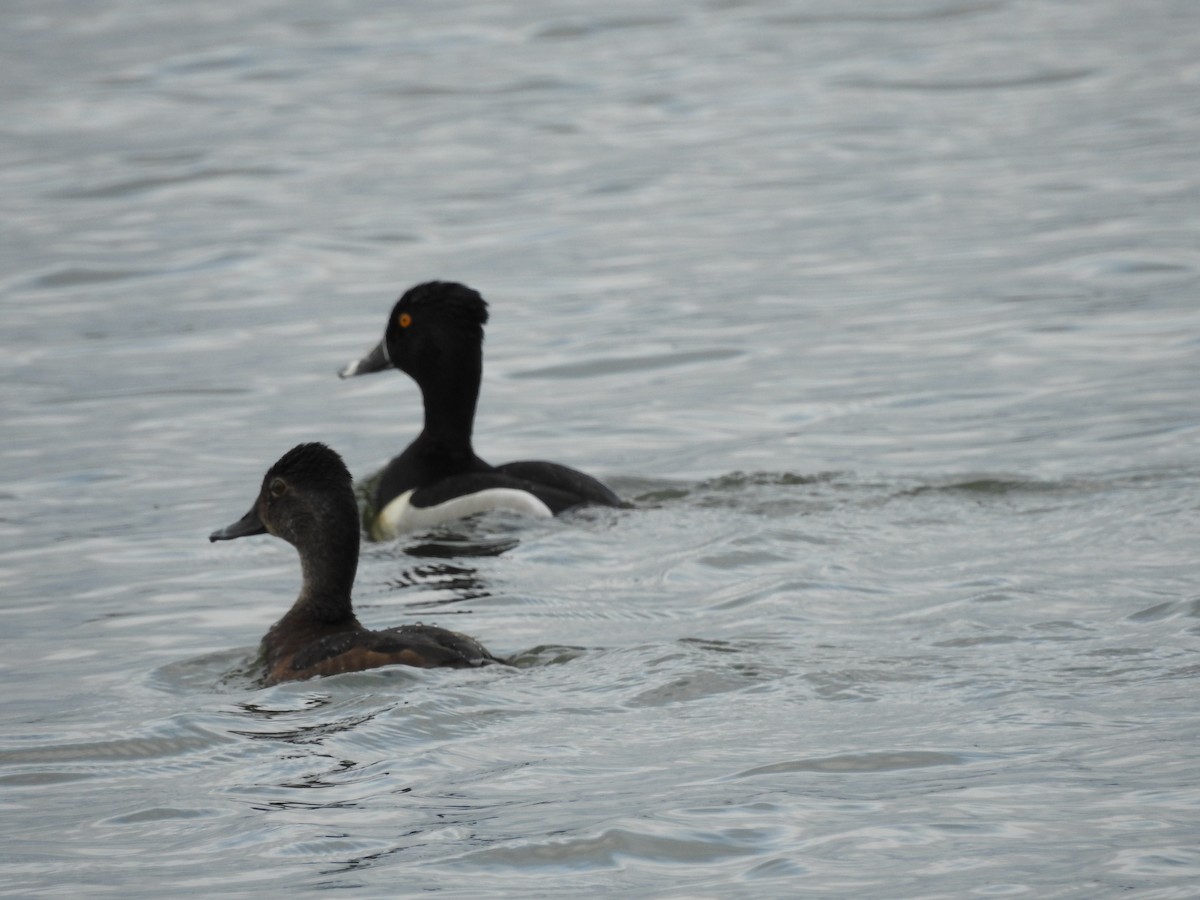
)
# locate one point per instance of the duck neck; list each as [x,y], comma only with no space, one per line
[328,570]
[450,402]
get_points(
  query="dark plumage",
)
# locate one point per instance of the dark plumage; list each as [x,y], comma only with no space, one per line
[308,500]
[435,335]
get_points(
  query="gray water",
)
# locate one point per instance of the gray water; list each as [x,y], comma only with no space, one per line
[885,313]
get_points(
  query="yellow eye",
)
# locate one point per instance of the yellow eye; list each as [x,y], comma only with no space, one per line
[405,320]
[278,487]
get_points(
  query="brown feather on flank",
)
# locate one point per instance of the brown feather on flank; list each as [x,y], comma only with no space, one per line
[351,661]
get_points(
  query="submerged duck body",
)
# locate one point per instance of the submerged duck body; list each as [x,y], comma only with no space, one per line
[435,335]
[307,499]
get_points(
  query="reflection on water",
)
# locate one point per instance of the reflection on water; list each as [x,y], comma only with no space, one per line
[884,315]
[453,546]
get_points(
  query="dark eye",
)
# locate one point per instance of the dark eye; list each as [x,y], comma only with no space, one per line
[278,487]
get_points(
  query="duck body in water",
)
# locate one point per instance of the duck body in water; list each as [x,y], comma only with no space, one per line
[307,499]
[435,335]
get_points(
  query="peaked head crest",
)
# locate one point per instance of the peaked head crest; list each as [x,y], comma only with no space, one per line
[312,463]
[447,300]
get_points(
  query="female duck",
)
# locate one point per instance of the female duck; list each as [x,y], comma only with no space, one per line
[435,334]
[308,500]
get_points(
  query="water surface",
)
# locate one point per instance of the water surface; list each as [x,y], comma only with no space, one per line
[885,315]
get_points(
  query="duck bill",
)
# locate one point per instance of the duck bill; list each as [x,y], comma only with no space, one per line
[375,361]
[247,525]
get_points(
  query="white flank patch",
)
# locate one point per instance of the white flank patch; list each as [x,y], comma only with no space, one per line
[401,516]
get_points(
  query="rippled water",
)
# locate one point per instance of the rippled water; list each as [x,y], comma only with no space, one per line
[887,315]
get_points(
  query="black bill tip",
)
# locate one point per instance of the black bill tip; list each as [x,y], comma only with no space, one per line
[375,361]
[247,525]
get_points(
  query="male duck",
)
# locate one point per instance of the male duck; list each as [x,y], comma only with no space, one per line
[435,334]
[307,499]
